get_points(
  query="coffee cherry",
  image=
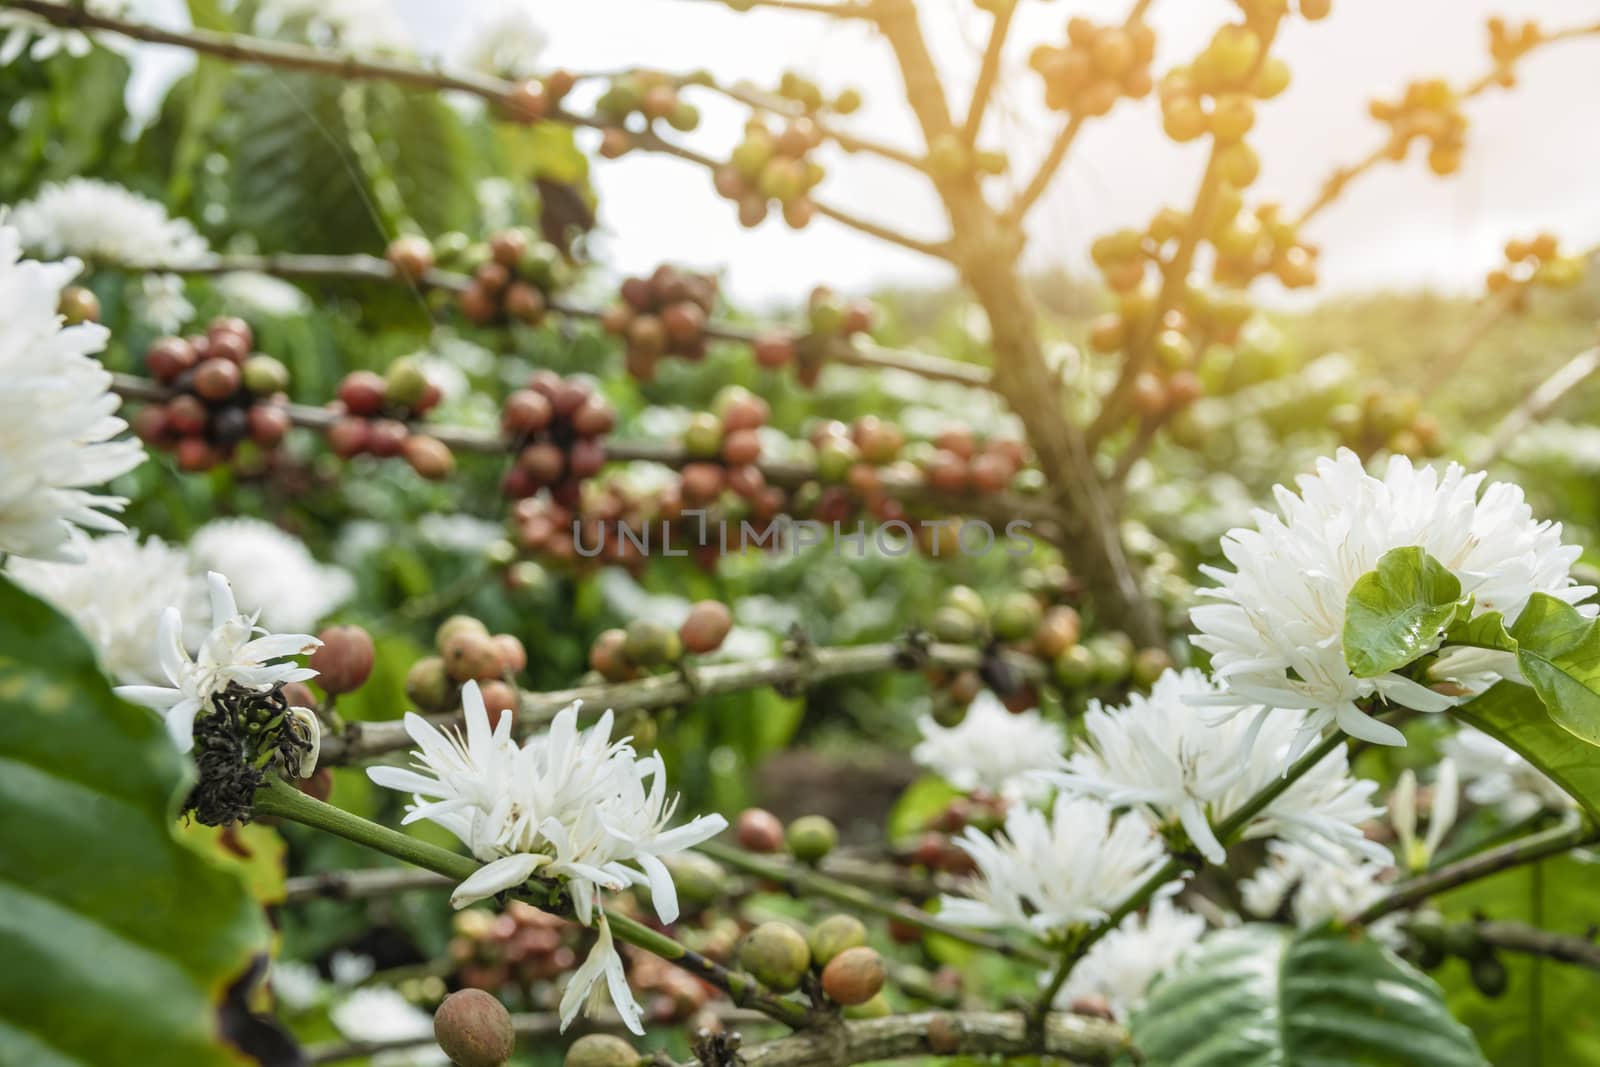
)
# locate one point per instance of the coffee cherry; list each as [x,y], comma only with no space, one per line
[474,1029]
[650,644]
[607,656]
[776,955]
[774,350]
[706,627]
[602,1050]
[811,837]
[758,830]
[195,454]
[429,456]
[78,305]
[470,654]
[526,411]
[499,698]
[228,344]
[362,392]
[264,375]
[344,662]
[1149,664]
[854,976]
[834,935]
[169,357]
[1057,631]
[386,437]
[186,415]
[703,435]
[348,437]
[741,447]
[513,657]
[1017,616]
[404,383]
[876,1008]
[411,256]
[1075,667]
[216,379]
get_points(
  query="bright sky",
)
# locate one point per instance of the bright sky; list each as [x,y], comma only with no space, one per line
[1533,158]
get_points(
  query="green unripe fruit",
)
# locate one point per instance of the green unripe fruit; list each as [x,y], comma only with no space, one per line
[847,102]
[648,643]
[703,436]
[683,117]
[1489,975]
[1017,616]
[428,685]
[474,1029]
[264,375]
[835,458]
[602,1050]
[876,1008]
[811,837]
[854,976]
[776,955]
[404,383]
[699,879]
[1112,663]
[965,598]
[750,156]
[78,305]
[1075,667]
[834,935]
[954,626]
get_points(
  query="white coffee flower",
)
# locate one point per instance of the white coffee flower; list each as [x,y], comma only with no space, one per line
[1159,755]
[991,749]
[1123,963]
[380,1014]
[1318,888]
[98,220]
[1049,873]
[296,985]
[47,39]
[1415,854]
[568,804]
[164,303]
[57,414]
[507,44]
[273,572]
[1497,777]
[116,596]
[1276,640]
[235,652]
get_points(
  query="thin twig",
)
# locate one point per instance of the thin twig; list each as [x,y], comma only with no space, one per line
[1546,395]
[989,71]
[362,884]
[812,667]
[1529,849]
[1520,937]
[244,49]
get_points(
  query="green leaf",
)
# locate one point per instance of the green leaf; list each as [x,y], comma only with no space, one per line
[1395,612]
[1264,996]
[1558,652]
[202,106]
[1514,715]
[117,940]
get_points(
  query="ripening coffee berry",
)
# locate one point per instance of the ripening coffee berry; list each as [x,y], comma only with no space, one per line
[1057,631]
[216,379]
[854,976]
[411,256]
[468,655]
[428,456]
[362,392]
[706,627]
[513,657]
[811,837]
[169,357]
[386,437]
[474,1029]
[499,698]
[264,375]
[774,350]
[758,830]
[776,955]
[428,684]
[834,935]
[649,643]
[457,624]
[349,437]
[404,383]
[1017,616]
[876,1008]
[601,1050]
[344,662]
[78,305]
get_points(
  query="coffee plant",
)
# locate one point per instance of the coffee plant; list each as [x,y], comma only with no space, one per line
[419,644]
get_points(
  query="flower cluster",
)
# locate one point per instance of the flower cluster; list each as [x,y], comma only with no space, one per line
[1159,755]
[1315,887]
[1122,964]
[991,749]
[569,804]
[1276,636]
[57,415]
[116,595]
[1048,873]
[1496,777]
[95,220]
